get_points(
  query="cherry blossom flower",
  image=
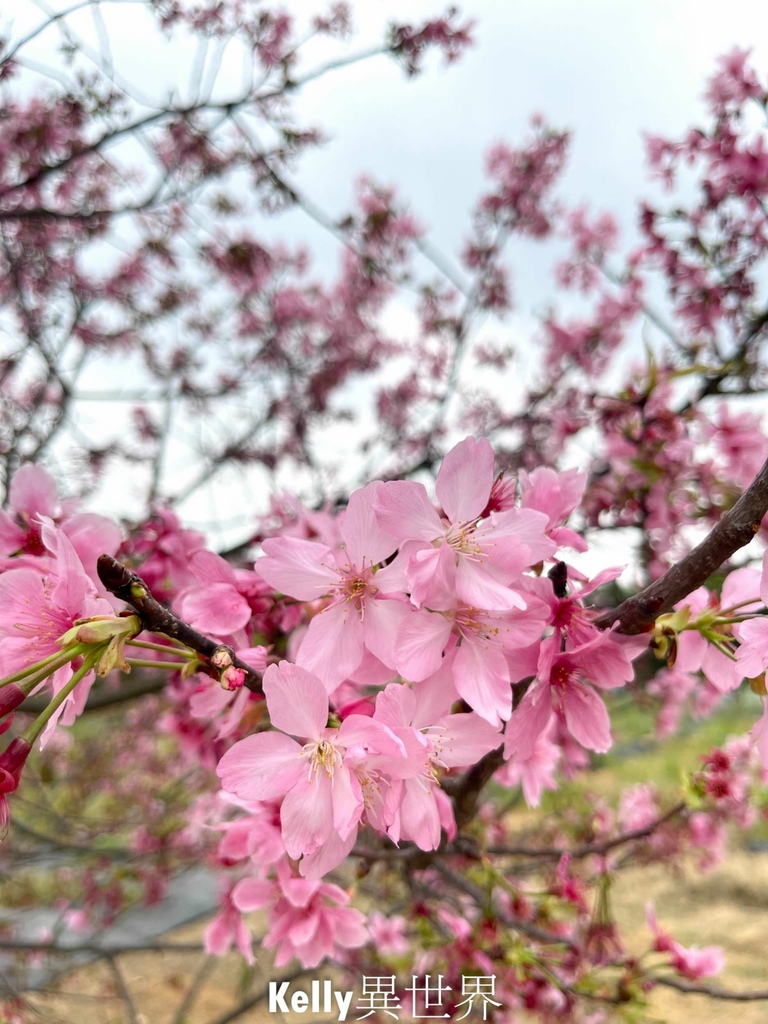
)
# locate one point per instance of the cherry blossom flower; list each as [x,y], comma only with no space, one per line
[450,741]
[326,782]
[37,610]
[561,686]
[308,919]
[227,929]
[691,962]
[356,617]
[456,555]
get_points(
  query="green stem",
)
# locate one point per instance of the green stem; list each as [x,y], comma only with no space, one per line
[46,666]
[169,665]
[180,651]
[34,730]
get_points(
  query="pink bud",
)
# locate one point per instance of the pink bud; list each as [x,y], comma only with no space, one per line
[232,678]
[14,756]
[10,697]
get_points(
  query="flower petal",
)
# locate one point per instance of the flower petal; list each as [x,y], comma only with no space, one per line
[297,700]
[261,767]
[307,815]
[465,479]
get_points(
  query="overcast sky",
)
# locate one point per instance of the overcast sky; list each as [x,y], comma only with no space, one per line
[608,70]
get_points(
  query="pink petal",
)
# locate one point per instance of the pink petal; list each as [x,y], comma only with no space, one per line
[724,673]
[297,567]
[366,540]
[419,817]
[464,739]
[529,719]
[362,731]
[328,857]
[304,928]
[586,717]
[404,510]
[91,536]
[297,701]
[215,608]
[421,641]
[477,588]
[348,803]
[251,894]
[752,655]
[395,705]
[262,767]
[33,491]
[307,815]
[481,676]
[381,623]
[526,527]
[431,575]
[208,567]
[465,479]
[333,647]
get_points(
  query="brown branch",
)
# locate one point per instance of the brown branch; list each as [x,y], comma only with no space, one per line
[468,788]
[555,852]
[712,991]
[735,529]
[480,897]
[156,618]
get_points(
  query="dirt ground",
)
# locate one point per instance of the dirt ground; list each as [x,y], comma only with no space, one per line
[728,907]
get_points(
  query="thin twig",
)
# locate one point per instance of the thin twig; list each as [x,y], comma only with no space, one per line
[555,852]
[156,618]
[712,991]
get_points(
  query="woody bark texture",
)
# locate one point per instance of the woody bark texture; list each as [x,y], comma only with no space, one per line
[156,618]
[736,529]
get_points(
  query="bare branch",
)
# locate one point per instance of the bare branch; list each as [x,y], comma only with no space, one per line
[713,991]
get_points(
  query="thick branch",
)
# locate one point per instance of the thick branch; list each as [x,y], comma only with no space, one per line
[156,618]
[736,528]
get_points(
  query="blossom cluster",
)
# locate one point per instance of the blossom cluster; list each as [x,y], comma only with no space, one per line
[422,617]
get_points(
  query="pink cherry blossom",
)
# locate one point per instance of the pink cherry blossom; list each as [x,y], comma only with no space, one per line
[537,772]
[456,555]
[556,495]
[562,687]
[326,782]
[227,929]
[36,610]
[356,617]
[451,741]
[308,919]
[692,962]
[752,655]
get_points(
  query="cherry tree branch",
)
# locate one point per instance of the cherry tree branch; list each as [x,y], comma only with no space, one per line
[556,852]
[734,530]
[156,618]
[713,991]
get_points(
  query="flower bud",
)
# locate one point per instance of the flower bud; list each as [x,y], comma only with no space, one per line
[232,678]
[14,757]
[11,696]
[100,628]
